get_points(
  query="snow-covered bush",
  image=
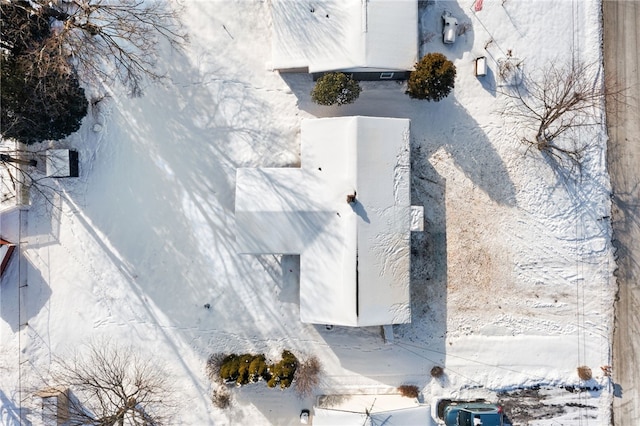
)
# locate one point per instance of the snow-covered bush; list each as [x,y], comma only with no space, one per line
[335,88]
[282,373]
[433,78]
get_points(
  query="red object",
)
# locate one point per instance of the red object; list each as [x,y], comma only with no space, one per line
[7,255]
[478,5]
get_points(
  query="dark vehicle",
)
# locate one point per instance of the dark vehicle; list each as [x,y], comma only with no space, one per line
[475,413]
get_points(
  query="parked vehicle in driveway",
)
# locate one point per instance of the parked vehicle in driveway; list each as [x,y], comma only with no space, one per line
[304,417]
[470,413]
[449,28]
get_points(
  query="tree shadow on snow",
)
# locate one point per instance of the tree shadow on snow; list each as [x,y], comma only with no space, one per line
[168,174]
[10,412]
[626,223]
[419,346]
[160,204]
[445,124]
[434,126]
[22,301]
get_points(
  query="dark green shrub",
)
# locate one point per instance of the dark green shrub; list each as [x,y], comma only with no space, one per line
[39,108]
[244,361]
[246,368]
[258,369]
[229,368]
[282,373]
[37,103]
[335,88]
[433,78]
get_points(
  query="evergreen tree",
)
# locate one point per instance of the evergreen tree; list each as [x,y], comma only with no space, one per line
[37,104]
[38,108]
[433,78]
[335,88]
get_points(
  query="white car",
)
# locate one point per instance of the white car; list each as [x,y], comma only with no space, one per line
[304,417]
[449,28]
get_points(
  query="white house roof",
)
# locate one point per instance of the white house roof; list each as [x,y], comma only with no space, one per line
[331,35]
[354,258]
[351,410]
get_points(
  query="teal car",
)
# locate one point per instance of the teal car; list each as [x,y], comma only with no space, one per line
[479,413]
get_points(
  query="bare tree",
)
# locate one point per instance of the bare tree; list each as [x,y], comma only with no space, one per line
[106,40]
[558,103]
[213,367]
[221,397]
[307,376]
[23,168]
[113,385]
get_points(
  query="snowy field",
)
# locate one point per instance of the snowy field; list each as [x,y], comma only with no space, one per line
[512,281]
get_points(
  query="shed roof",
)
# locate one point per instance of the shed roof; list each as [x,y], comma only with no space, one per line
[332,35]
[358,410]
[354,264]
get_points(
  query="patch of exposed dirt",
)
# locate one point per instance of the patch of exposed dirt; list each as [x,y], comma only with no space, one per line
[522,406]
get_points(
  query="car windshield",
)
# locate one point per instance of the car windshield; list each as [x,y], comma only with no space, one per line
[465,418]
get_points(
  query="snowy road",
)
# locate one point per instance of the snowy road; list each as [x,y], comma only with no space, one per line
[621,37]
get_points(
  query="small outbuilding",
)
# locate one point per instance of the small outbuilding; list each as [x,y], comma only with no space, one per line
[371,39]
[480,69]
[62,163]
[358,410]
[346,211]
[55,405]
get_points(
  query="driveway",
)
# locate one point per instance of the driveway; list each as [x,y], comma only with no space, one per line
[621,45]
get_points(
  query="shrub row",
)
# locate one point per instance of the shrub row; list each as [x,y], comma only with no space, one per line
[248,368]
[433,79]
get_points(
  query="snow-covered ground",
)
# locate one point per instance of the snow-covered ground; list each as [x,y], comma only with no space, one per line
[512,281]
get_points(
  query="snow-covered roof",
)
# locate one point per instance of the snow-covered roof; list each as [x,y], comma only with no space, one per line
[331,35]
[62,163]
[347,410]
[354,257]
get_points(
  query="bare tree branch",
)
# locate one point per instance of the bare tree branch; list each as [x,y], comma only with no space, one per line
[20,165]
[112,385]
[107,40]
[556,105]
